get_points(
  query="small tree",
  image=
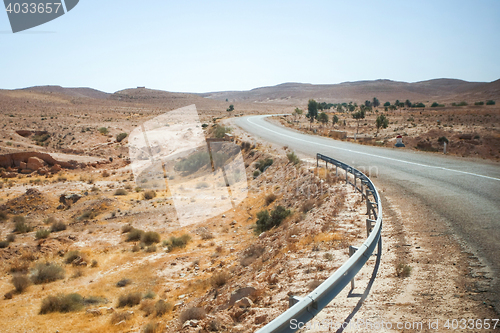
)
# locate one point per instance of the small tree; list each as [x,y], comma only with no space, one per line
[312,110]
[490,102]
[323,118]
[335,120]
[358,116]
[381,121]
[231,108]
[387,104]
[297,112]
[376,102]
[408,103]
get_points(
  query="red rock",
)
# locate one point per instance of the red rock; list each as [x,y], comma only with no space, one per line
[35,163]
[22,165]
[55,168]
[9,175]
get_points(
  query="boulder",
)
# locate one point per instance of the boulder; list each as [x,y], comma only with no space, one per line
[241,293]
[9,175]
[43,171]
[260,319]
[22,165]
[55,168]
[35,163]
[68,200]
[245,302]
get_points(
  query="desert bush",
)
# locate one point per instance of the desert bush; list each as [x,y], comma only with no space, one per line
[120,316]
[11,238]
[219,279]
[178,242]
[47,272]
[256,173]
[251,254]
[459,104]
[403,270]
[3,215]
[62,178]
[293,158]
[151,248]
[42,233]
[136,248]
[150,237]
[88,215]
[61,303]
[127,228]
[93,300]
[148,195]
[148,306]
[103,130]
[150,295]
[490,102]
[123,282]
[120,137]
[105,174]
[270,198]
[129,299]
[263,164]
[307,205]
[20,282]
[206,235]
[58,226]
[192,314]
[134,235]
[4,244]
[71,256]
[94,189]
[94,263]
[479,103]
[20,224]
[162,307]
[193,162]
[202,185]
[220,131]
[121,191]
[152,328]
[328,256]
[266,221]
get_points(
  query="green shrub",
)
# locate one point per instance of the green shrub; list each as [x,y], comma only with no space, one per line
[127,228]
[129,299]
[88,215]
[219,279]
[150,295]
[3,215]
[490,102]
[4,244]
[148,195]
[151,248]
[256,173]
[150,237]
[443,139]
[121,191]
[134,235]
[263,164]
[11,238]
[58,226]
[479,103]
[178,242]
[293,158]
[152,328]
[220,131]
[266,221]
[103,130]
[120,137]
[20,282]
[20,225]
[42,233]
[459,104]
[403,270]
[47,272]
[418,105]
[61,303]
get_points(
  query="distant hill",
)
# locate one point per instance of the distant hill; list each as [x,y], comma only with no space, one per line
[74,92]
[359,91]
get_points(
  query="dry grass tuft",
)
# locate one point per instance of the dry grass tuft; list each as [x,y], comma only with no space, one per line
[192,314]
[130,299]
[20,282]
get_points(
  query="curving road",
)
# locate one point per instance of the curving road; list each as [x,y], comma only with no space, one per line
[464,192]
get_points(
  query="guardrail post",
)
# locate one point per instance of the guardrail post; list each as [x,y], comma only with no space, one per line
[368,204]
[352,250]
[346,175]
[369,226]
[336,170]
[292,300]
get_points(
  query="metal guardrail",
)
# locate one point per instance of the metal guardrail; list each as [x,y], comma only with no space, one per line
[305,309]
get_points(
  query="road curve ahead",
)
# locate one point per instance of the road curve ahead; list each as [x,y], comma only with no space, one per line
[465,193]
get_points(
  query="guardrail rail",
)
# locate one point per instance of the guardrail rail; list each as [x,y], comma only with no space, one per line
[304,309]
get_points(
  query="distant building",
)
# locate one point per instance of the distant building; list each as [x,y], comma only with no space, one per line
[141,87]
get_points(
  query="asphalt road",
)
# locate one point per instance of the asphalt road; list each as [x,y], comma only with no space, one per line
[465,193]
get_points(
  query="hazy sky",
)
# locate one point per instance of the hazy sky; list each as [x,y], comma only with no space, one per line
[201,46]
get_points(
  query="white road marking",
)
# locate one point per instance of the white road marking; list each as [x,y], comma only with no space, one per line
[361,153]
